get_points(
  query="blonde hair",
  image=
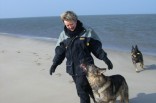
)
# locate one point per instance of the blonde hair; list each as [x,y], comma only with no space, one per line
[69,16]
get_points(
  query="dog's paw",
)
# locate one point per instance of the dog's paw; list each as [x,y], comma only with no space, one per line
[137,71]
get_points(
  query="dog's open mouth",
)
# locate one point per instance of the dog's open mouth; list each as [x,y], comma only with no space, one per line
[83,66]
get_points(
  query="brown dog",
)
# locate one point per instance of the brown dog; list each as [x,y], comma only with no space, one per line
[106,89]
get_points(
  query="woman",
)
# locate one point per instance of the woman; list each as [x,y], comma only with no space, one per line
[76,42]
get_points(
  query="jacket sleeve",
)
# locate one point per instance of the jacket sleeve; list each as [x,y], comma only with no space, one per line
[96,47]
[59,51]
[59,55]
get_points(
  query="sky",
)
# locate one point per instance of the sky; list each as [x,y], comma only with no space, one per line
[41,8]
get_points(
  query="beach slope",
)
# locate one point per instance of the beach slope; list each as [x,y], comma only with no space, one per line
[24,74]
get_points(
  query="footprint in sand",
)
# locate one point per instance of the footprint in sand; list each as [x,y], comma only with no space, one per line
[38,58]
[59,74]
[48,58]
[36,54]
[3,51]
[42,69]
[38,64]
[18,51]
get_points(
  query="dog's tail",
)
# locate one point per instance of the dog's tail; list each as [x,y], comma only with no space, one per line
[126,93]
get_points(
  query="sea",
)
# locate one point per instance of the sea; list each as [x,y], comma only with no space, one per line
[117,32]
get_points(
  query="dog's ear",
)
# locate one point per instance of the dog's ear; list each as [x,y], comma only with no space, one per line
[136,47]
[102,70]
[132,50]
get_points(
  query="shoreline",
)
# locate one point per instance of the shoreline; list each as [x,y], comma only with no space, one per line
[24,74]
[54,40]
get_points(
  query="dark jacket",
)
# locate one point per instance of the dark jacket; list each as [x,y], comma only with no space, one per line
[76,47]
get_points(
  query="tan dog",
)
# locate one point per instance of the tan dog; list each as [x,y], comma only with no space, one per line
[106,89]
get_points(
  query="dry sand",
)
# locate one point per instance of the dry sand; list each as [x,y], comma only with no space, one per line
[24,74]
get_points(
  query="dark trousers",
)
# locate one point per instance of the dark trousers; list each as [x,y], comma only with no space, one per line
[84,90]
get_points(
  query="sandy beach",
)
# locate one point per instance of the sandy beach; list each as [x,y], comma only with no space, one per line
[24,74]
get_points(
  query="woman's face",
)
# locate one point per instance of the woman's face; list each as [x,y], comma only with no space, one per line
[71,25]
